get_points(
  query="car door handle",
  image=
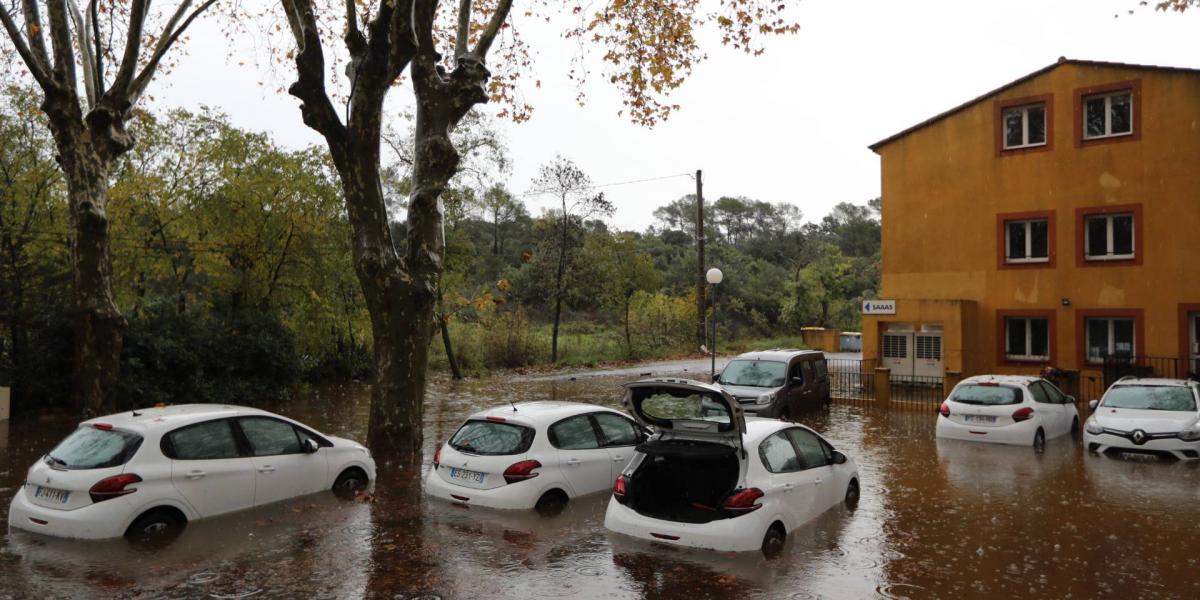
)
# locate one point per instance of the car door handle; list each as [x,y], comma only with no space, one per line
[195,474]
[785,488]
[618,458]
[574,462]
[818,481]
[266,469]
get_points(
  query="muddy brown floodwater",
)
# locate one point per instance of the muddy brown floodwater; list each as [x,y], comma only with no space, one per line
[936,520]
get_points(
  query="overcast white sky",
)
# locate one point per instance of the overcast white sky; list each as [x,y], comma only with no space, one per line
[792,125]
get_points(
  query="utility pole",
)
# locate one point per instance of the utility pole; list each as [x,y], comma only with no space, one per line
[701,330]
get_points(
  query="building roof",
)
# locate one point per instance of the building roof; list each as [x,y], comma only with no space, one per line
[1061,61]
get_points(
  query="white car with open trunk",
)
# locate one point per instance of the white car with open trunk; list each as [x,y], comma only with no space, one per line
[1147,416]
[1007,409]
[533,455]
[148,472]
[712,478]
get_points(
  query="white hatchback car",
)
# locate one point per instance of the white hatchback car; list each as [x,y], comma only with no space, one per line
[711,478]
[533,455]
[147,473]
[1147,416]
[1007,409]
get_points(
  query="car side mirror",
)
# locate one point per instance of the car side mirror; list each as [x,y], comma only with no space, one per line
[797,381]
[838,458]
[311,446]
[1068,399]
[1093,404]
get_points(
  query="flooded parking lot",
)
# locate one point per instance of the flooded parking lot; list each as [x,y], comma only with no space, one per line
[936,520]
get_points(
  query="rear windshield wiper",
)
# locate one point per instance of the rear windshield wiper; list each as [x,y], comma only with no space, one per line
[55,461]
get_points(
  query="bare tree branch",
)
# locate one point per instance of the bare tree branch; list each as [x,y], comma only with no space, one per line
[33,28]
[355,42]
[493,29]
[85,53]
[133,43]
[168,38]
[464,26]
[315,107]
[60,44]
[37,69]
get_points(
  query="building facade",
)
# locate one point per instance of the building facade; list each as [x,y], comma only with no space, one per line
[1054,221]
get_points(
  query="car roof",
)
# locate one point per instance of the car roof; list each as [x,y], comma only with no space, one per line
[1154,381]
[541,411]
[776,354]
[758,428]
[163,418]
[1002,379]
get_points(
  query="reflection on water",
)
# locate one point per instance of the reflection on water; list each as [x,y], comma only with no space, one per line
[937,519]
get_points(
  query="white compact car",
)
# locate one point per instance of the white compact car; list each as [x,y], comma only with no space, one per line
[711,478]
[1007,409]
[147,473]
[533,455]
[1146,416]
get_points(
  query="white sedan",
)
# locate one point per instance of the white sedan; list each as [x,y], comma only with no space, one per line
[711,478]
[533,455]
[1007,409]
[1149,416]
[147,473]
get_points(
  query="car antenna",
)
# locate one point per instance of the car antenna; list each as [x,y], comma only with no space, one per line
[135,413]
[513,405]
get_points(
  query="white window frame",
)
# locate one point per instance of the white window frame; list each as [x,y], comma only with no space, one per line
[1108,220]
[1024,110]
[1028,356]
[1107,96]
[1112,338]
[1028,223]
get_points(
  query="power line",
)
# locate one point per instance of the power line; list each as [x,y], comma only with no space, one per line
[605,185]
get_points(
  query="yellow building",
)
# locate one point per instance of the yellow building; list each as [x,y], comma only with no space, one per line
[1050,222]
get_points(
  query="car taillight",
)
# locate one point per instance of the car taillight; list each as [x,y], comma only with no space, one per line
[743,501]
[1022,414]
[112,487]
[103,426]
[437,457]
[944,410]
[619,488]
[521,471]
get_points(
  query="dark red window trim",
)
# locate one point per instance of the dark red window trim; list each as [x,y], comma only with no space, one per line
[1186,308]
[1135,88]
[1051,317]
[1081,214]
[1000,105]
[1003,219]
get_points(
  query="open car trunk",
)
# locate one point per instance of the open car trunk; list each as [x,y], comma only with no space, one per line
[683,480]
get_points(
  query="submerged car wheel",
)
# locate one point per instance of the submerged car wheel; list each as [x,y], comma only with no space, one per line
[773,540]
[852,494]
[1039,440]
[156,526]
[1075,426]
[350,481]
[551,503]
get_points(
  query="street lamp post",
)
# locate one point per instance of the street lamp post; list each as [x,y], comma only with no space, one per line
[714,276]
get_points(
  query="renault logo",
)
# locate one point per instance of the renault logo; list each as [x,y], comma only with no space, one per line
[1139,437]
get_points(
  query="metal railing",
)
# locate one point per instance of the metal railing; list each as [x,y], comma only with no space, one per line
[919,390]
[851,379]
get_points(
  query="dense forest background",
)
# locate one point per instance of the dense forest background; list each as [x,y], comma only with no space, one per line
[232,264]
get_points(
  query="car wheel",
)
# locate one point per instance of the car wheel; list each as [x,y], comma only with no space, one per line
[551,503]
[1039,440]
[1075,426]
[772,544]
[349,482]
[156,526]
[852,494]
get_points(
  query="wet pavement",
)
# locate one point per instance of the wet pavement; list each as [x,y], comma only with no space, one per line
[936,520]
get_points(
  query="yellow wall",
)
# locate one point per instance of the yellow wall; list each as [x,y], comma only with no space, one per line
[944,184]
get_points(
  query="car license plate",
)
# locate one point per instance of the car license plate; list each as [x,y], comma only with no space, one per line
[51,494]
[979,419]
[465,475]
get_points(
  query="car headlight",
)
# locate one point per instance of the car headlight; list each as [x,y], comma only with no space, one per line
[1093,427]
[1190,435]
[766,398]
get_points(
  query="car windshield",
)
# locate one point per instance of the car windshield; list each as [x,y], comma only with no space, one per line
[91,448]
[986,395]
[1150,397]
[492,438]
[754,373]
